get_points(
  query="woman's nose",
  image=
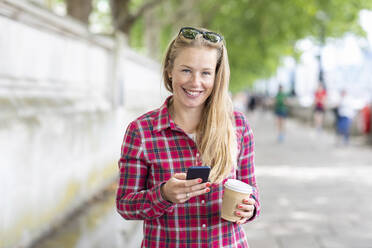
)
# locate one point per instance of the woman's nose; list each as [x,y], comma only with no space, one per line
[196,79]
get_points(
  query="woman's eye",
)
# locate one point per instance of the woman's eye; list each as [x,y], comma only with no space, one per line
[186,70]
[206,73]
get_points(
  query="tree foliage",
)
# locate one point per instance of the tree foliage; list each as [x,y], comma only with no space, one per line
[257,33]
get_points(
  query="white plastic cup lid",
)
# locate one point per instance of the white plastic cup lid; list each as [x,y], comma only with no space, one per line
[238,186]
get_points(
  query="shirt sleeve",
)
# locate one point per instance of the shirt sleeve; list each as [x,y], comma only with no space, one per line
[134,201]
[245,169]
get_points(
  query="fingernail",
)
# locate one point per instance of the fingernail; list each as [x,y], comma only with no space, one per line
[207,190]
[245,201]
[240,206]
[238,213]
[208,184]
[200,180]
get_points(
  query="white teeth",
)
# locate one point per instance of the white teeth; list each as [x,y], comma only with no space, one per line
[193,93]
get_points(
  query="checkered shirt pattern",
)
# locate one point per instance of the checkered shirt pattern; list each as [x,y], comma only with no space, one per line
[154,148]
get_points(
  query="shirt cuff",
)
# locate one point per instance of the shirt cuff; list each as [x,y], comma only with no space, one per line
[159,202]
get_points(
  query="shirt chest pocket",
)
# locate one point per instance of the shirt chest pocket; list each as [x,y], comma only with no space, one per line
[168,160]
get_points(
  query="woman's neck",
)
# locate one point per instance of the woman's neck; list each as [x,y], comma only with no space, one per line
[185,118]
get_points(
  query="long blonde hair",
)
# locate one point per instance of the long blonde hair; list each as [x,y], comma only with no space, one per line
[215,134]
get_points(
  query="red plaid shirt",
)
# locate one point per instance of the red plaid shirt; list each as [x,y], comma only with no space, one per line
[154,148]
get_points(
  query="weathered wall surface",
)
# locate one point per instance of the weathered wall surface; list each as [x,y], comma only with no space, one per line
[66,97]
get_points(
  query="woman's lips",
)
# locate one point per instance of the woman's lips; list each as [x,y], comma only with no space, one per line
[192,93]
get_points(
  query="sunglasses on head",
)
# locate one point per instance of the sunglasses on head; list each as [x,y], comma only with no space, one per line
[191,33]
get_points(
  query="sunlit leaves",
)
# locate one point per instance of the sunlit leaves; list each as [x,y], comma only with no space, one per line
[259,33]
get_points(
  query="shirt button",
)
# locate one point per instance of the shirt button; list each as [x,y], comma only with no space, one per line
[204,225]
[197,154]
[202,202]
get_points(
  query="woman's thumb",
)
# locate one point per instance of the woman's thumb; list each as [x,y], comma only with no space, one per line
[180,176]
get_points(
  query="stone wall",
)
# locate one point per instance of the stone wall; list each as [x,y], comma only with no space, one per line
[66,97]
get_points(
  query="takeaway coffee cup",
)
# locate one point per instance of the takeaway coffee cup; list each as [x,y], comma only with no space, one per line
[235,192]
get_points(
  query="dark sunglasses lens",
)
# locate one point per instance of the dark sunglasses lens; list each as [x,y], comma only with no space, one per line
[189,33]
[212,37]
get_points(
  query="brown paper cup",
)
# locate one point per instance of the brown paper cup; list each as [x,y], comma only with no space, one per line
[235,192]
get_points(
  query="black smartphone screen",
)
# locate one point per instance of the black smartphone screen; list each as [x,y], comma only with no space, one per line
[198,172]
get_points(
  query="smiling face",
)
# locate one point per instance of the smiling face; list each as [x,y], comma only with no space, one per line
[193,75]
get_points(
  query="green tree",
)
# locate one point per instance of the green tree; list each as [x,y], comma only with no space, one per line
[259,33]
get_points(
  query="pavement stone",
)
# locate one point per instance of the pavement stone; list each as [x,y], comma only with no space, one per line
[345,241]
[268,242]
[298,241]
[313,192]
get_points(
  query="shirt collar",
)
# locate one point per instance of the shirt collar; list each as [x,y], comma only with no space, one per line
[163,120]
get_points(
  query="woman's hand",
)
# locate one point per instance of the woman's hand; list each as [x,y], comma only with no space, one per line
[179,190]
[245,210]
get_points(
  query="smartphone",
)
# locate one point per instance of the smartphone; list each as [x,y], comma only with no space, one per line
[198,172]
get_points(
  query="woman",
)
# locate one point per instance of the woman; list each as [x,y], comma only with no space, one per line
[195,126]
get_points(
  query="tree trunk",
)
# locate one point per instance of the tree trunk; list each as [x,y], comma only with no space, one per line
[79,9]
[122,19]
[120,13]
[152,29]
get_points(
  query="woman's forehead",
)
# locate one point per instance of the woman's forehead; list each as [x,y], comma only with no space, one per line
[196,55]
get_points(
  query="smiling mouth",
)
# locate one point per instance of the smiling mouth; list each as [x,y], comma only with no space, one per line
[192,92]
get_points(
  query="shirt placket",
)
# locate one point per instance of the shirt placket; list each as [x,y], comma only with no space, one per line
[198,159]
[203,206]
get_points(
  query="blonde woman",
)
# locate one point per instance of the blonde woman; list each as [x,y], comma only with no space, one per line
[196,126]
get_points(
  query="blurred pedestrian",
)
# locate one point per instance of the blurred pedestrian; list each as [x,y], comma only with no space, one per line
[281,111]
[336,117]
[195,126]
[346,114]
[251,103]
[320,96]
[366,118]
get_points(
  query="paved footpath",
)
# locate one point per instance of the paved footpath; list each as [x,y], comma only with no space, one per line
[313,193]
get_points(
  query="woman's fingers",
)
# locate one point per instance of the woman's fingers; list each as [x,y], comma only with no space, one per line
[245,209]
[249,201]
[181,177]
[244,214]
[187,196]
[192,182]
[242,220]
[201,189]
[197,187]
[179,190]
